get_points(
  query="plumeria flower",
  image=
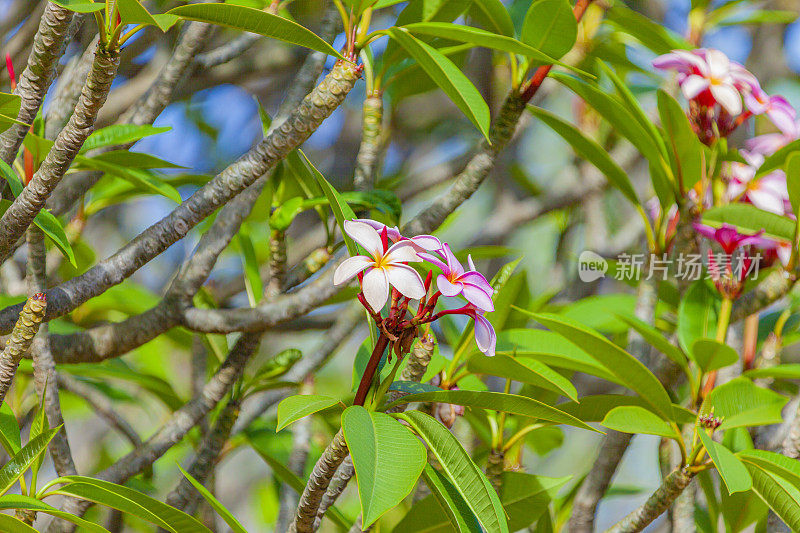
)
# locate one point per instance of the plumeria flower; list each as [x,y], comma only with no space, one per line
[708,76]
[383,266]
[454,280]
[485,337]
[777,109]
[769,192]
[770,143]
[730,239]
[427,243]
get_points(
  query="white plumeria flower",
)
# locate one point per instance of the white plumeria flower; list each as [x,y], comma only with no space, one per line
[381,267]
[717,76]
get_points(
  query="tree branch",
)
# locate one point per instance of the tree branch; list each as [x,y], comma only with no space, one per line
[656,504]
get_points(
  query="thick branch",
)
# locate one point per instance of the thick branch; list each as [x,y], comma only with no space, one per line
[37,76]
[656,504]
[20,213]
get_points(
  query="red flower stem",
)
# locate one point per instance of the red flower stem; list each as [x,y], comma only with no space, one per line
[369,372]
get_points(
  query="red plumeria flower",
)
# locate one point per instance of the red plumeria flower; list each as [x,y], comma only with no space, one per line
[730,239]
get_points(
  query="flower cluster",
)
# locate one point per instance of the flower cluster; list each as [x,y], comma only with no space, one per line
[722,95]
[385,271]
[709,421]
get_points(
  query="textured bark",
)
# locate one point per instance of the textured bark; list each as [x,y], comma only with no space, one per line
[48,45]
[371,142]
[419,359]
[478,168]
[20,340]
[495,465]
[772,288]
[277,265]
[185,497]
[45,378]
[301,440]
[69,141]
[68,90]
[228,51]
[656,504]
[615,443]
[317,484]
[221,189]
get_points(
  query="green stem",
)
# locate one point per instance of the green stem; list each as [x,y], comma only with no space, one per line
[724,319]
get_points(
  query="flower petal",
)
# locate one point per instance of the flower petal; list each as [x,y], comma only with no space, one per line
[719,66]
[427,242]
[477,297]
[728,97]
[446,287]
[392,232]
[477,279]
[402,252]
[452,262]
[406,280]
[375,287]
[694,85]
[365,235]
[350,267]
[436,261]
[485,337]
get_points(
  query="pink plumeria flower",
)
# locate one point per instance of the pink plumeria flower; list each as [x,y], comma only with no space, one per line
[769,192]
[383,266]
[485,337]
[770,143]
[777,108]
[427,243]
[708,76]
[730,239]
[454,280]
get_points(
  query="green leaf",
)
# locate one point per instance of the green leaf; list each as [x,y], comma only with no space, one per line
[651,34]
[634,419]
[447,76]
[496,401]
[12,525]
[143,179]
[655,339]
[18,501]
[9,430]
[525,371]
[749,219]
[686,148]
[778,159]
[793,181]
[740,402]
[780,464]
[39,425]
[631,372]
[478,37]
[341,210]
[771,16]
[9,110]
[388,460]
[552,349]
[456,511]
[81,6]
[126,158]
[594,408]
[44,219]
[790,371]
[494,15]
[730,468]
[525,497]
[252,275]
[214,503]
[612,109]
[120,134]
[778,493]
[697,315]
[17,465]
[281,472]
[712,355]
[132,12]
[460,470]
[550,26]
[296,407]
[589,150]
[131,502]
[255,21]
